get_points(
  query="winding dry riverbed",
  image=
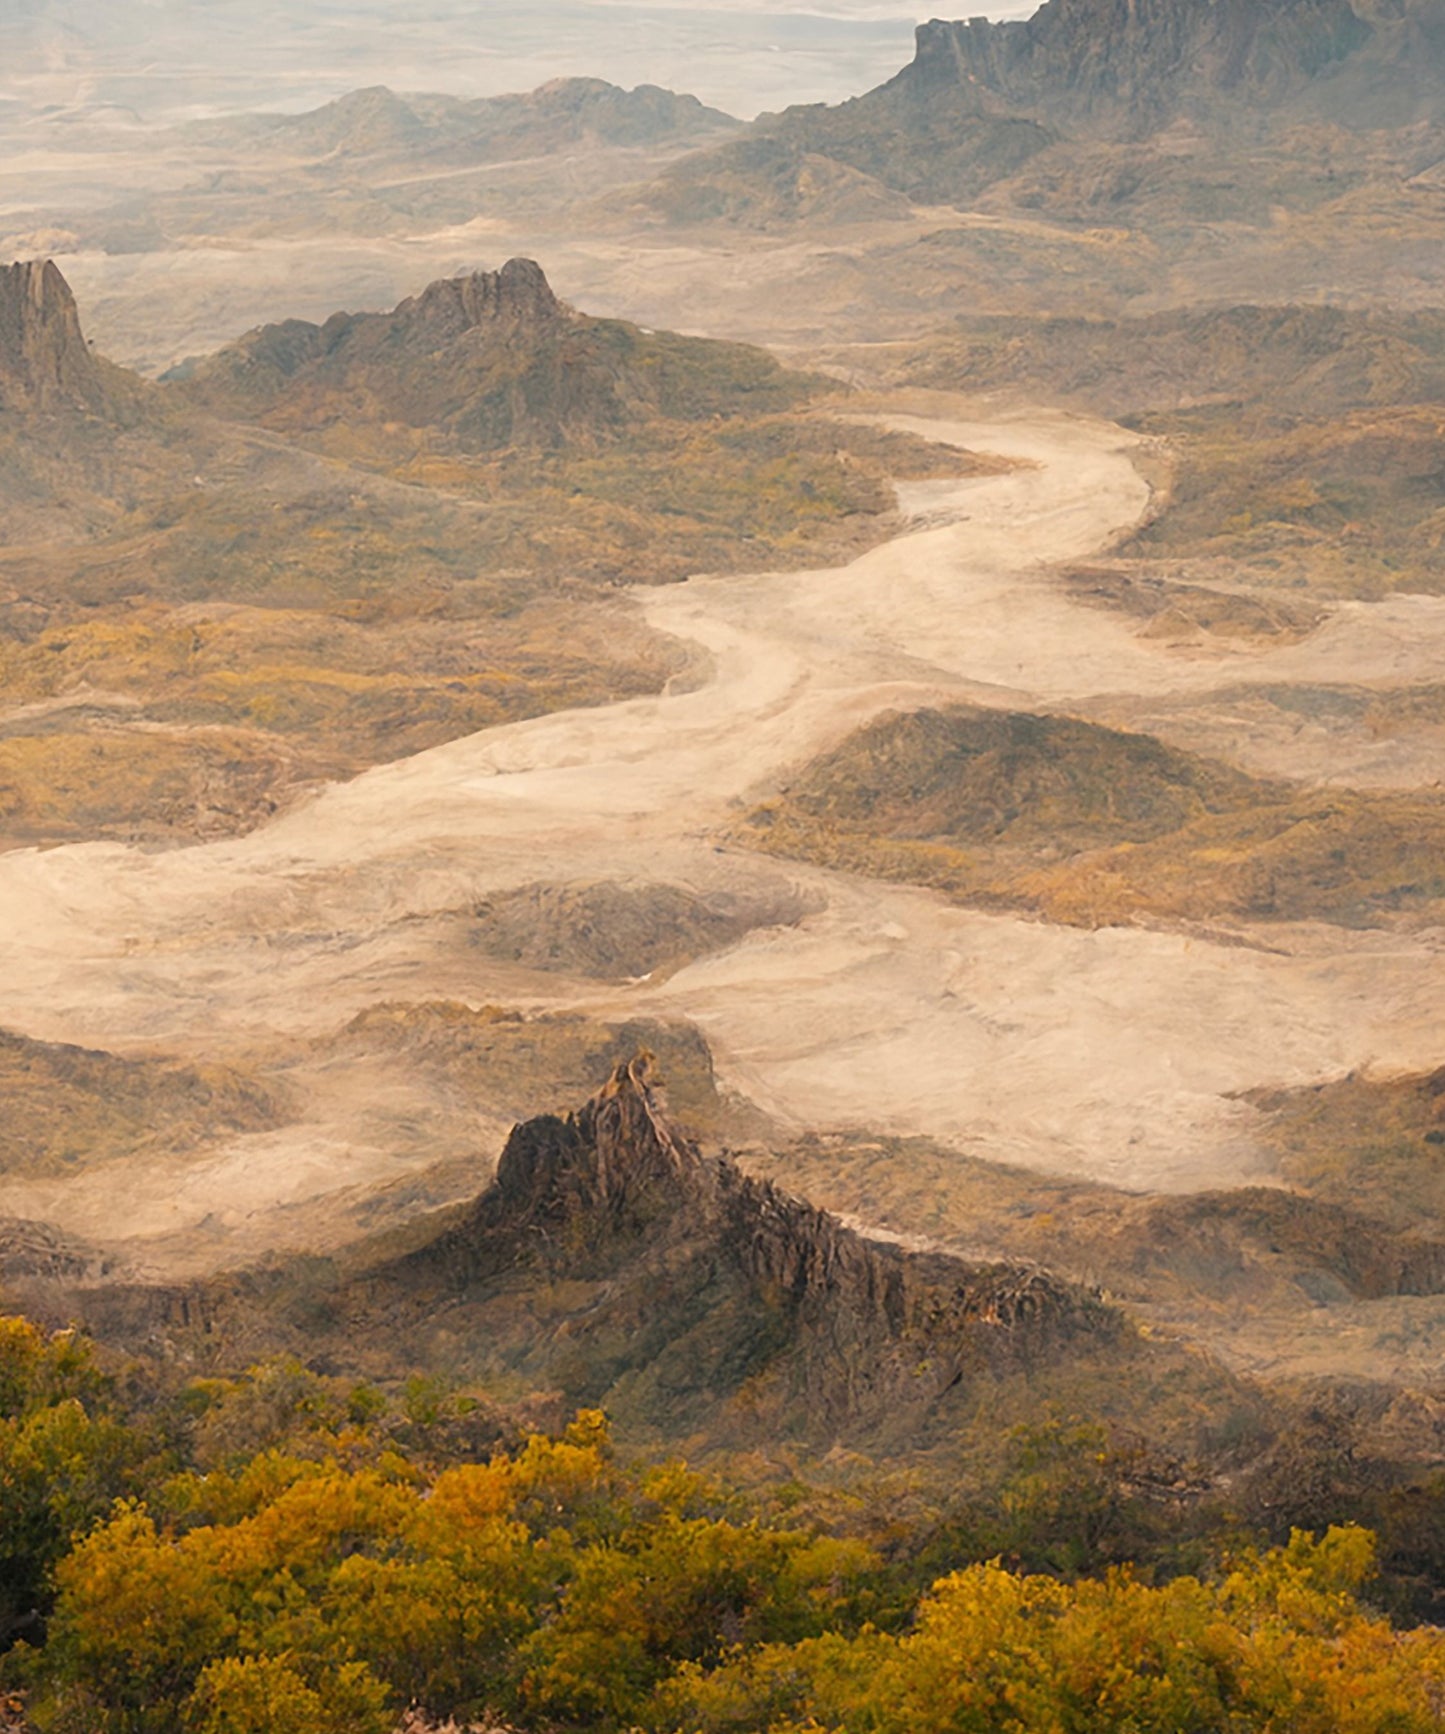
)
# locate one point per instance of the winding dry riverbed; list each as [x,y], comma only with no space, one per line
[1117,1053]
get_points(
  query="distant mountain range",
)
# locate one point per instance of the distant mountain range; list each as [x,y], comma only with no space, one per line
[567,113]
[167,56]
[980,99]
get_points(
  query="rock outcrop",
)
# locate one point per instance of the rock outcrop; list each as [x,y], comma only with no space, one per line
[612,1263]
[37,1251]
[1133,65]
[519,292]
[481,355]
[45,363]
[615,1262]
[478,363]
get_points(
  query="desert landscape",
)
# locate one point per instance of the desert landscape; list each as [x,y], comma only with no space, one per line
[893,647]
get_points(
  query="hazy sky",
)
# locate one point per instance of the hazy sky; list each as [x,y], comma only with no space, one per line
[165,56]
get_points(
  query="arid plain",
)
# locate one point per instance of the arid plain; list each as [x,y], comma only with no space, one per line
[1129,1023]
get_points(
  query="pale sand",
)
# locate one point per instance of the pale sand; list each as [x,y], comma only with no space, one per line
[1116,1053]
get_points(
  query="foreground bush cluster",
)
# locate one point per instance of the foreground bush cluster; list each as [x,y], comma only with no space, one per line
[323,1584]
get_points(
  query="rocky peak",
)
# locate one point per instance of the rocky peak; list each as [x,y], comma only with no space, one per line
[611,1262]
[518,293]
[626,1123]
[615,1160]
[483,358]
[45,363]
[680,1247]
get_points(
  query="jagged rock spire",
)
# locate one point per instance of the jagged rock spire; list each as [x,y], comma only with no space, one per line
[615,1264]
[619,1159]
[627,1121]
[45,363]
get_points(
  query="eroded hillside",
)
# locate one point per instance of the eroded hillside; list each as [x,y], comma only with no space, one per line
[203,619]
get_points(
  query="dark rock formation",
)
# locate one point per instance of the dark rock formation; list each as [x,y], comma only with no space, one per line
[1134,64]
[612,1259]
[1228,1241]
[482,350]
[45,363]
[481,362]
[611,1262]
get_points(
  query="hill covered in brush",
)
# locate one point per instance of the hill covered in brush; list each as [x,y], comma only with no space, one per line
[332,546]
[1093,826]
[483,362]
[291,1550]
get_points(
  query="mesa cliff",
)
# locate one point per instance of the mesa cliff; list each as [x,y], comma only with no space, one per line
[1069,109]
[1128,65]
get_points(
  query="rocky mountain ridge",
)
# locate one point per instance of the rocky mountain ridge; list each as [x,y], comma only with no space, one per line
[610,1262]
[481,361]
[1130,66]
[1097,103]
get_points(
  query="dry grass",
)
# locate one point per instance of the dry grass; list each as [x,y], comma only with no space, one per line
[168,723]
[1093,827]
[1306,439]
[197,647]
[68,1107]
[1350,506]
[1372,1143]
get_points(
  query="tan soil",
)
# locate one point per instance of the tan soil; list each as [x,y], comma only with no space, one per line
[1114,1053]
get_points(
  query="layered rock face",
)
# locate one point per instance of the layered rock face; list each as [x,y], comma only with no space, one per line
[1129,66]
[45,364]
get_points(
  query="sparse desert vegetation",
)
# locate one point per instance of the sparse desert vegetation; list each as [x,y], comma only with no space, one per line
[1092,826]
[204,647]
[935,649]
